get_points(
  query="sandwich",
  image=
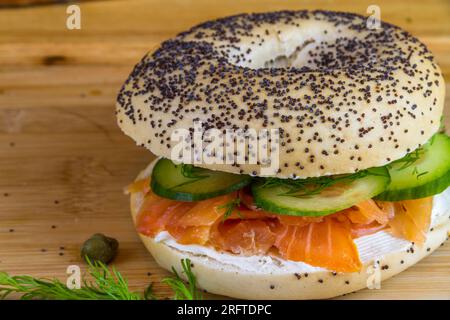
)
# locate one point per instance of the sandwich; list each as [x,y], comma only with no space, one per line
[299,154]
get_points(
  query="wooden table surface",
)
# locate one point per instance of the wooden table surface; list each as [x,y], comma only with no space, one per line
[63,160]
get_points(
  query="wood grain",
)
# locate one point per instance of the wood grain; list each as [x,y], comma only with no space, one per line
[21,3]
[63,160]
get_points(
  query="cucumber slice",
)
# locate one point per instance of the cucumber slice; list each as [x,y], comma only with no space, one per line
[422,173]
[188,183]
[319,196]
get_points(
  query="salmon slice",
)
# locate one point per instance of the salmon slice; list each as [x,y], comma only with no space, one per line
[142,185]
[155,214]
[387,207]
[412,219]
[319,241]
[284,237]
[297,221]
[247,199]
[246,237]
[193,226]
[206,212]
[243,213]
[191,235]
[360,230]
[367,217]
[326,244]
[366,212]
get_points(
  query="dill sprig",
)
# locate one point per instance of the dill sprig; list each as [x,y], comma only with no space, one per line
[411,159]
[107,284]
[408,160]
[192,173]
[183,292]
[312,186]
[230,207]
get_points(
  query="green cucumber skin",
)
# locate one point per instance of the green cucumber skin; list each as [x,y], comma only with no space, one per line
[277,209]
[191,197]
[412,187]
[412,191]
[166,173]
[272,208]
[429,189]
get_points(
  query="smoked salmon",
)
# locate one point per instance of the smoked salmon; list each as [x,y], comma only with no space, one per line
[193,226]
[412,219]
[244,236]
[155,213]
[367,212]
[244,229]
[142,185]
[325,244]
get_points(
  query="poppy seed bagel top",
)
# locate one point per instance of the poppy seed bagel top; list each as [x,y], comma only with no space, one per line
[344,97]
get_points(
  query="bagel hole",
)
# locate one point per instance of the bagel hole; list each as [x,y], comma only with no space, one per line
[284,61]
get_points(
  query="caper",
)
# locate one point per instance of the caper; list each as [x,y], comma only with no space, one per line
[100,248]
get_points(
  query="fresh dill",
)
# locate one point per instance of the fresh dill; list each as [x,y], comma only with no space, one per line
[408,160]
[230,207]
[418,174]
[107,284]
[411,159]
[183,292]
[193,174]
[312,186]
[421,174]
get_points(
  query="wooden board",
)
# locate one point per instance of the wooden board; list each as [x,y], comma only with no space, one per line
[18,3]
[63,160]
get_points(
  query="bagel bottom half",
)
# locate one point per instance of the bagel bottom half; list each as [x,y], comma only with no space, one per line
[268,278]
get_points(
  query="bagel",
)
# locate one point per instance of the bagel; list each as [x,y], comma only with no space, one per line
[261,277]
[345,169]
[344,97]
